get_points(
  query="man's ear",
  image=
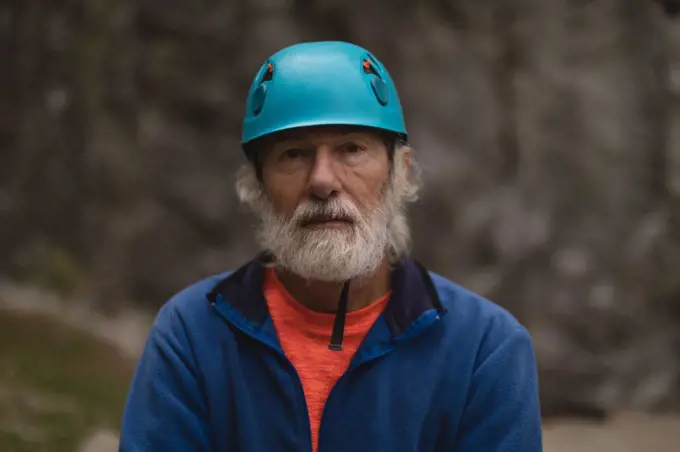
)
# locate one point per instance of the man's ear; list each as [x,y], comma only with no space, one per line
[405,153]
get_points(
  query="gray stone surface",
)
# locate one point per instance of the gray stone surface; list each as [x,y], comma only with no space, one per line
[548,131]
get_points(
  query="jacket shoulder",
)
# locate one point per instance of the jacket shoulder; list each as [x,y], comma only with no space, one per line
[471,311]
[189,304]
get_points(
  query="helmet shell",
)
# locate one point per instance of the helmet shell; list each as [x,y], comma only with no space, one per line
[318,84]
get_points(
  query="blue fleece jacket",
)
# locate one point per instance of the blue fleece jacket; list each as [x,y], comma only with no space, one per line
[442,369]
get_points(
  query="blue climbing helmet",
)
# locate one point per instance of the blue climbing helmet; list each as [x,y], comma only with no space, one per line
[320,84]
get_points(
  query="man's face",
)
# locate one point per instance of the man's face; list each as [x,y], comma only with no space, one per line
[328,201]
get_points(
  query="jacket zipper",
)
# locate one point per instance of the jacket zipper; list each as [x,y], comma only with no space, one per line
[355,365]
[280,352]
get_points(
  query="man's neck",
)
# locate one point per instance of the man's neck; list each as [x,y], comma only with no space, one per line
[323,296]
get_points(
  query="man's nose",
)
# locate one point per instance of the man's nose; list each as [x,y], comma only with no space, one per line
[323,179]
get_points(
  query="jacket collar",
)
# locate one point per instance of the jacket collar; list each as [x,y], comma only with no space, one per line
[413,293]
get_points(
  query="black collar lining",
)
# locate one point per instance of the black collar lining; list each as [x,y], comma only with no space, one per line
[413,292]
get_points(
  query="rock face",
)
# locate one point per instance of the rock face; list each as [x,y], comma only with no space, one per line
[549,133]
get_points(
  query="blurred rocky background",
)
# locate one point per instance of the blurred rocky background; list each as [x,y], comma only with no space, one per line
[549,133]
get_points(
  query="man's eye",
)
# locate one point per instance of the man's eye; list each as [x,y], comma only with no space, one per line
[352,148]
[292,153]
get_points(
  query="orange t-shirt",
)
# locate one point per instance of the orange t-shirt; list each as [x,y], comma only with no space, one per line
[305,334]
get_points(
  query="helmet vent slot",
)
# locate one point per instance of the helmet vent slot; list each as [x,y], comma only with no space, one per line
[268,73]
[369,67]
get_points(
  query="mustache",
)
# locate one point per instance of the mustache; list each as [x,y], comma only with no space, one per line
[314,211]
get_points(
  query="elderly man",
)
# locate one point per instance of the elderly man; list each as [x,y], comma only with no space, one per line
[333,338]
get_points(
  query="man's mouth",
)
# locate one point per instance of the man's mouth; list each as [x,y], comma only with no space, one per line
[326,221]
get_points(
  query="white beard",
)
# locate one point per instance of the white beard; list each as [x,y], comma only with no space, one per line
[328,254]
